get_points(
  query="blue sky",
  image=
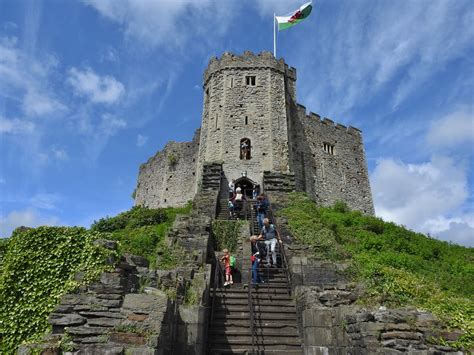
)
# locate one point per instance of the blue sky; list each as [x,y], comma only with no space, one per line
[91,89]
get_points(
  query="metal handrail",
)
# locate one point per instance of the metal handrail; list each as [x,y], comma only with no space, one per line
[217,272]
[251,309]
[282,249]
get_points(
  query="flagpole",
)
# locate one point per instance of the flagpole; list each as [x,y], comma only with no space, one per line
[274,38]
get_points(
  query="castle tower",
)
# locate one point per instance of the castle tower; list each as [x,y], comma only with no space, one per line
[251,124]
[244,119]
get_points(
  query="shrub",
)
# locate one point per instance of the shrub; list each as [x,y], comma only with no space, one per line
[137,216]
[225,234]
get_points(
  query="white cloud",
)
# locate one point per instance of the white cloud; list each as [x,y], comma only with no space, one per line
[15,126]
[155,23]
[455,130]
[26,79]
[423,196]
[28,217]
[98,89]
[141,140]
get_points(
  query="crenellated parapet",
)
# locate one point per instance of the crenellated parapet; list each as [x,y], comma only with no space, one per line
[248,60]
[315,118]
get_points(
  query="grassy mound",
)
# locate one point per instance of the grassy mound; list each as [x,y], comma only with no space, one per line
[398,266]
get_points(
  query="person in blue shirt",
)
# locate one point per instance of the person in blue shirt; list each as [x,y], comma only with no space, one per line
[270,234]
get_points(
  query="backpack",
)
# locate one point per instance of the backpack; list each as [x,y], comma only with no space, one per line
[232,261]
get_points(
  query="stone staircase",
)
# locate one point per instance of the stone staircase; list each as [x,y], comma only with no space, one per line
[274,309]
[211,176]
[275,319]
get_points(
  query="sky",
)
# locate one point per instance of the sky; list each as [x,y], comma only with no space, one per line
[91,89]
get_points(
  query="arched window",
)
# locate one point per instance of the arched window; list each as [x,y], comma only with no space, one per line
[245,149]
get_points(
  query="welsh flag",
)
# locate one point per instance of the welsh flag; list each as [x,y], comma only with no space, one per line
[295,17]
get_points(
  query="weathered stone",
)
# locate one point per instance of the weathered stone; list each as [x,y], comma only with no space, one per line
[66,319]
[137,317]
[127,338]
[63,308]
[136,260]
[402,335]
[365,317]
[113,279]
[71,299]
[89,314]
[397,326]
[372,327]
[86,330]
[103,322]
[110,296]
[92,340]
[143,303]
[109,303]
[102,349]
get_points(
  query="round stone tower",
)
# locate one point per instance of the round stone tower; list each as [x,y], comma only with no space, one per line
[244,119]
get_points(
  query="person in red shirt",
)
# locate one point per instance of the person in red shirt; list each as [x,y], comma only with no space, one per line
[228,270]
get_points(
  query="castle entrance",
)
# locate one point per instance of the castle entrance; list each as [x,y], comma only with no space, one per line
[247,186]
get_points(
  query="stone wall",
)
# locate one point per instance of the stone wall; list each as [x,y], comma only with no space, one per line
[332,322]
[337,173]
[169,178]
[234,110]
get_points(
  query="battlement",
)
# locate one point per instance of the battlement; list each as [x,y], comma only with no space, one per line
[248,60]
[314,117]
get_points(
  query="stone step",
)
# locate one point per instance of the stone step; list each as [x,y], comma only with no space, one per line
[246,351]
[244,302]
[228,331]
[281,343]
[259,317]
[257,295]
[240,323]
[257,308]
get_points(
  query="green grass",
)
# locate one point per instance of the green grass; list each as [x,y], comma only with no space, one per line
[398,266]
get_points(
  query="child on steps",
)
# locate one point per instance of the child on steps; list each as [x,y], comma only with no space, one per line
[228,270]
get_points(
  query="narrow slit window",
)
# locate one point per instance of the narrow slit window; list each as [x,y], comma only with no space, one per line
[250,80]
[246,120]
[328,148]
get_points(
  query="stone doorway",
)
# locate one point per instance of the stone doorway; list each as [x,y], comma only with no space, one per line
[247,186]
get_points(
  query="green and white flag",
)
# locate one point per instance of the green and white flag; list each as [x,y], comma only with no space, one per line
[295,17]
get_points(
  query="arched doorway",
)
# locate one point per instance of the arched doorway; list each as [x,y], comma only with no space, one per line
[247,185]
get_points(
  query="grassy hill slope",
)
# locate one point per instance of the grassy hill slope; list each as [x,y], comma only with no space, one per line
[399,267]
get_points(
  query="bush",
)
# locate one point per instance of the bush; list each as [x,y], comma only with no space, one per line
[225,234]
[38,268]
[136,217]
[142,230]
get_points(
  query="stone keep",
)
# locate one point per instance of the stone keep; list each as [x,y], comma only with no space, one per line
[252,98]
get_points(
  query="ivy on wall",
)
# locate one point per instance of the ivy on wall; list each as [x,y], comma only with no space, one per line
[225,234]
[39,266]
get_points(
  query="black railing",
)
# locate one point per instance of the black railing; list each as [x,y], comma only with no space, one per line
[284,260]
[218,277]
[251,309]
